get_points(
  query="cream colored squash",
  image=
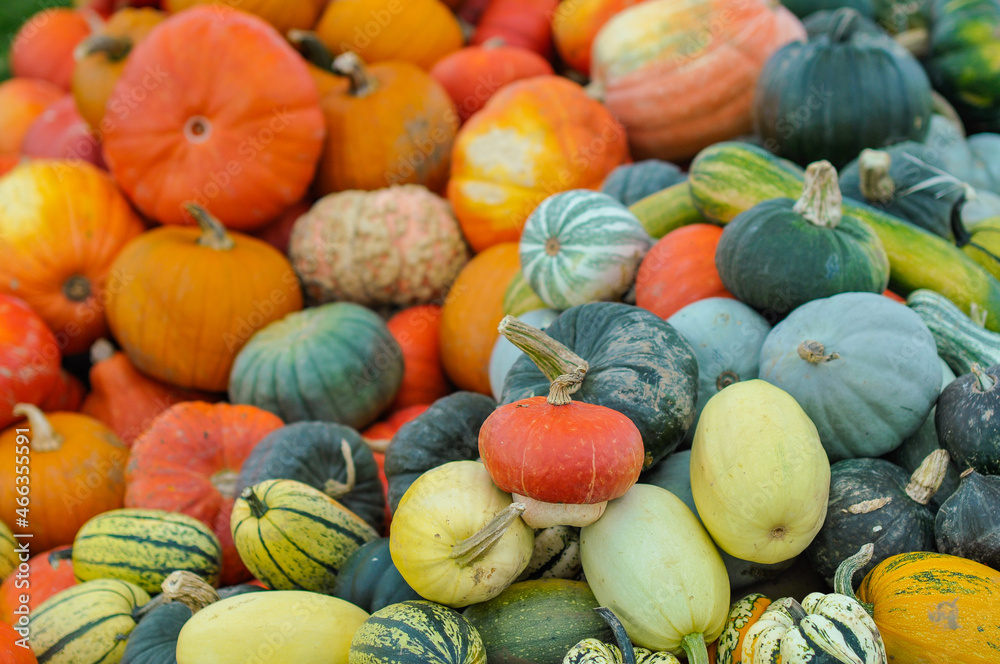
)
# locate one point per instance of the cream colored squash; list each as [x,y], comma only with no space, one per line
[759,474]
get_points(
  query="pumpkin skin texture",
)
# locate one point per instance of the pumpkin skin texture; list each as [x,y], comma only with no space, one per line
[630,183]
[66,283]
[839,356]
[369,578]
[22,100]
[246,163]
[10,651]
[644,62]
[417,632]
[43,47]
[336,362]
[533,138]
[966,525]
[29,352]
[523,23]
[49,572]
[181,319]
[417,330]
[574,28]
[764,498]
[965,421]
[284,16]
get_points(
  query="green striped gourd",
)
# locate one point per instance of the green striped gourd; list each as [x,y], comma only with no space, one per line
[8,557]
[294,537]
[556,554]
[417,632]
[581,246]
[87,623]
[144,546]
[961,342]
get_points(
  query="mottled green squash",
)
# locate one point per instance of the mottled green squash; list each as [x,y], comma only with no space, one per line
[417,632]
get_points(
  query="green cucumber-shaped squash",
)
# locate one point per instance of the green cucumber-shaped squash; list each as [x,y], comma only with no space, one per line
[730,177]
[86,624]
[417,632]
[667,210]
[144,546]
[960,341]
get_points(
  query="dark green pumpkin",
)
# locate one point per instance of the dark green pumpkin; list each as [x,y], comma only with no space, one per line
[639,365]
[337,363]
[781,253]
[312,453]
[968,524]
[630,183]
[417,632]
[842,91]
[369,579]
[967,420]
[807,8]
[447,431]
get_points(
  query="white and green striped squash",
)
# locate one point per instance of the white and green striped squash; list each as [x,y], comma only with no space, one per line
[8,555]
[417,632]
[294,537]
[581,246]
[143,546]
[86,624]
[556,554]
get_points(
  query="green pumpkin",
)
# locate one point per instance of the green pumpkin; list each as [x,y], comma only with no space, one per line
[417,632]
[968,524]
[782,253]
[369,579]
[630,183]
[337,363]
[967,422]
[863,367]
[447,431]
[314,453]
[801,109]
[639,365]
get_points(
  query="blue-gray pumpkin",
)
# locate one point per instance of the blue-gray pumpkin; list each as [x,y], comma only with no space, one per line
[630,183]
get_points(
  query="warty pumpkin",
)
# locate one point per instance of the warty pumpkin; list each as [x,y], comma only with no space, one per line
[22,100]
[43,46]
[30,355]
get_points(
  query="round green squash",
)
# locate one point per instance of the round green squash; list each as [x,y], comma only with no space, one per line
[417,632]
[967,422]
[968,524]
[369,578]
[337,362]
[630,183]
[863,367]
[639,365]
[314,453]
[537,622]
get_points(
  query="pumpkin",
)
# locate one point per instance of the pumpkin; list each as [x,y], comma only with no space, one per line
[60,133]
[675,93]
[397,246]
[48,573]
[378,436]
[505,353]
[417,632]
[67,394]
[533,138]
[456,538]
[522,23]
[470,315]
[369,579]
[31,354]
[679,270]
[283,16]
[246,163]
[176,321]
[638,365]
[581,246]
[473,74]
[43,46]
[416,31]
[965,526]
[13,649]
[575,26]
[9,555]
[68,284]
[79,461]
[353,370]
[965,423]
[630,183]
[840,356]
[417,330]
[22,101]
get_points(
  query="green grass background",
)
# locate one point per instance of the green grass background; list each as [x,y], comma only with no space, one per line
[12,15]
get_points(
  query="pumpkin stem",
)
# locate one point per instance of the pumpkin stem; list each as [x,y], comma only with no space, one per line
[101,351]
[984,381]
[725,379]
[185,587]
[815,352]
[695,647]
[821,200]
[349,64]
[595,90]
[114,48]
[926,479]
[225,481]
[43,437]
[312,48]
[965,473]
[843,24]
[876,183]
[565,385]
[335,488]
[915,40]
[466,551]
[257,506]
[213,233]
[621,636]
[550,356]
[843,580]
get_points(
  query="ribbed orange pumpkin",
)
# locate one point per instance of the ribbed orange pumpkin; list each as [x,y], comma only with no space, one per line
[284,15]
[576,24]
[43,46]
[534,138]
[178,135]
[29,356]
[49,572]
[418,332]
[22,100]
[63,223]
[681,74]
[523,23]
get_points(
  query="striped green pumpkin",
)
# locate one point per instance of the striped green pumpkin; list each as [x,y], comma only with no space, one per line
[144,546]
[8,557]
[294,537]
[417,632]
[581,246]
[87,623]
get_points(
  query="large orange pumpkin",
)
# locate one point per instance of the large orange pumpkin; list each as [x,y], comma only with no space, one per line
[681,74]
[195,298]
[418,332]
[284,15]
[22,100]
[534,138]
[217,108]
[29,356]
[472,311]
[48,572]
[77,471]
[62,224]
[576,24]
[43,46]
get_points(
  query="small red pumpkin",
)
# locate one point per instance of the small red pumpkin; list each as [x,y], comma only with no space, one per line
[61,133]
[523,23]
[22,100]
[66,395]
[418,332]
[43,46]
[10,651]
[48,572]
[29,356]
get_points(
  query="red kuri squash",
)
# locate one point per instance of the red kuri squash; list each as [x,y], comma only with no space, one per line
[29,356]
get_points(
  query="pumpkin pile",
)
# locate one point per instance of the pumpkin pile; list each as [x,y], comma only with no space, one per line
[500,331]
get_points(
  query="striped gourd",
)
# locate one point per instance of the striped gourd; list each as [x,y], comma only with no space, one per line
[294,537]
[87,623]
[961,342]
[556,554]
[581,246]
[8,556]
[144,546]
[417,632]
[742,616]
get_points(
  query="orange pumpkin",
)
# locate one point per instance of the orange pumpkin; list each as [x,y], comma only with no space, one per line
[62,224]
[177,135]
[282,14]
[48,572]
[29,356]
[681,74]
[22,100]
[472,311]
[66,394]
[195,298]
[8,162]
[523,23]
[680,269]
[534,138]
[102,56]
[576,24]
[10,651]
[77,471]
[418,331]
[417,31]
[43,46]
